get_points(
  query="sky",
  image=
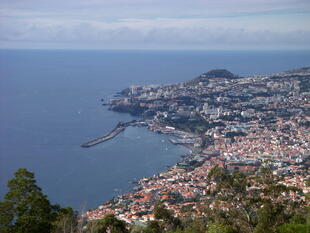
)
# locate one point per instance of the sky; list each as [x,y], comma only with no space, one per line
[155,24]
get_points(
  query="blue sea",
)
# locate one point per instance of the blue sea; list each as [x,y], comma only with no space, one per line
[50,104]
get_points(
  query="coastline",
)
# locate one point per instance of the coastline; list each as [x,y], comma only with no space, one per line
[205,116]
[171,135]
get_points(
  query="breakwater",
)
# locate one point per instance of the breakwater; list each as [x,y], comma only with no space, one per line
[120,127]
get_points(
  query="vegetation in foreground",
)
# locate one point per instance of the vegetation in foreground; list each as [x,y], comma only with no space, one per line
[25,209]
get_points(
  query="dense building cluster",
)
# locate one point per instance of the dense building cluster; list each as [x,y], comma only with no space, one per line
[235,123]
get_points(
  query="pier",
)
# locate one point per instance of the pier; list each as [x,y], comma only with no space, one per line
[120,127]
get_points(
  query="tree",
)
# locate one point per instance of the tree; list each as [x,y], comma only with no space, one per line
[268,217]
[109,224]
[161,212]
[66,221]
[25,209]
[196,225]
[220,228]
[247,211]
[152,227]
[169,222]
[299,223]
[6,216]
[294,228]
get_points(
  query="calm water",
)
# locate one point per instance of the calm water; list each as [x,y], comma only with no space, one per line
[50,104]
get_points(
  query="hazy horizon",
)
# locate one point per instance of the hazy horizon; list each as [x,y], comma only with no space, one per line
[155,25]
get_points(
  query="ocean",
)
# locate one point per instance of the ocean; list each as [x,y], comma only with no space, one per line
[50,103]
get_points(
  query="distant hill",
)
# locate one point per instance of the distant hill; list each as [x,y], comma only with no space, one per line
[220,73]
[301,70]
[213,74]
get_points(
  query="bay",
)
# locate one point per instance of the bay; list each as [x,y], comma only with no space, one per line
[50,104]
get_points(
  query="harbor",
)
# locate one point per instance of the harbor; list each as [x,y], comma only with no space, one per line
[120,127]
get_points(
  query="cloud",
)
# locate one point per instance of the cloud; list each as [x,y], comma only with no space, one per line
[200,33]
[115,9]
[157,23]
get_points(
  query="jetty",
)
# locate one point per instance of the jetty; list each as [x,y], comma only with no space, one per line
[120,127]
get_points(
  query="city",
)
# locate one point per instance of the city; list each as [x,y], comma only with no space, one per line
[229,122]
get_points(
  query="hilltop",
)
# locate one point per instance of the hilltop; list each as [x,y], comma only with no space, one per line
[302,70]
[213,74]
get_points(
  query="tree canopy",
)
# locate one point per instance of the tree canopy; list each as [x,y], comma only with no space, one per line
[25,208]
